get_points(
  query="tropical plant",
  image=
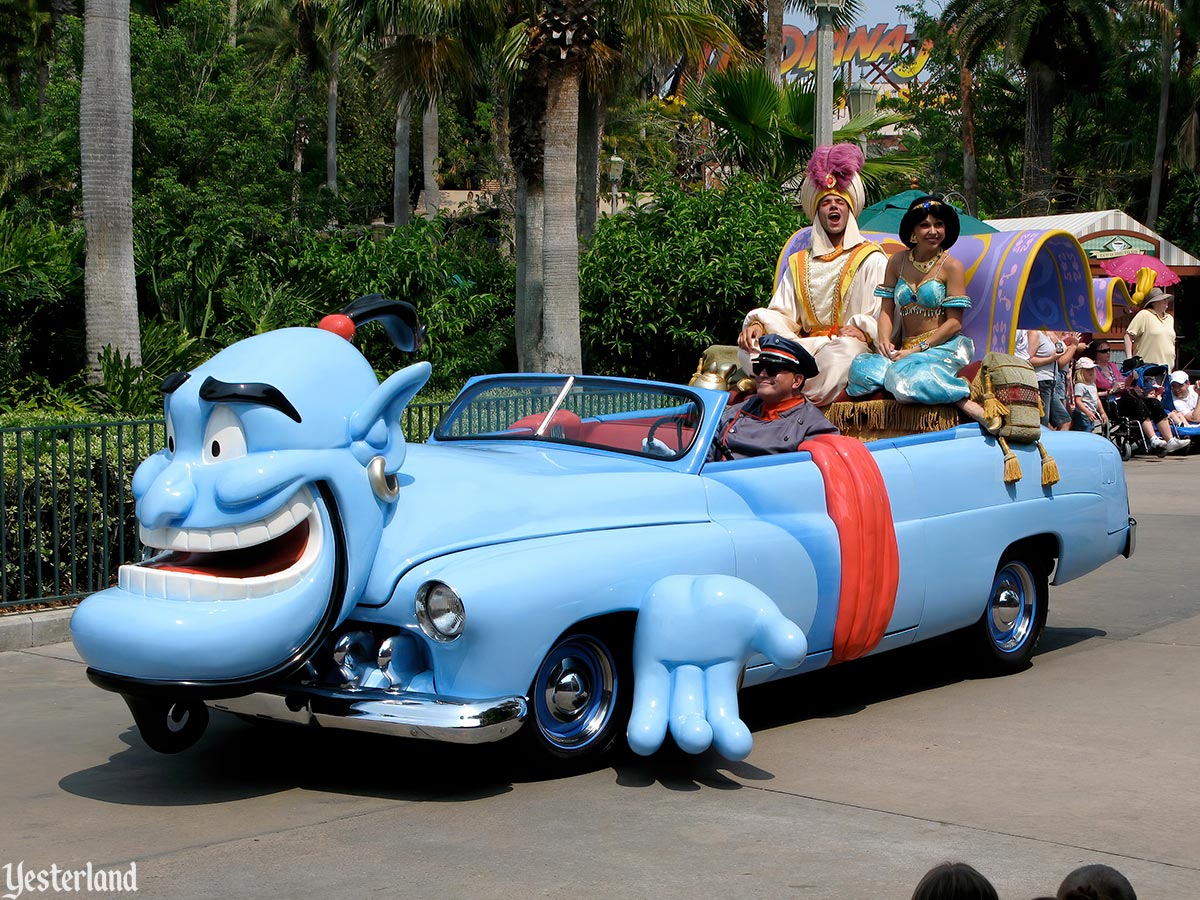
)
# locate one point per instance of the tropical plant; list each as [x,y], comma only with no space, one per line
[1054,41]
[766,130]
[660,284]
[307,31]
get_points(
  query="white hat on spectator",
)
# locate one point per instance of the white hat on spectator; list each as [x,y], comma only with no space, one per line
[1179,377]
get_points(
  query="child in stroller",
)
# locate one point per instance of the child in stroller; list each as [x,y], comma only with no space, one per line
[1141,423]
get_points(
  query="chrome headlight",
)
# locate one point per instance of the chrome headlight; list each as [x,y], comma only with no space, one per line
[440,611]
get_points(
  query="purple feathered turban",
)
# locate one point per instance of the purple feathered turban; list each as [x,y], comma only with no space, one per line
[834,170]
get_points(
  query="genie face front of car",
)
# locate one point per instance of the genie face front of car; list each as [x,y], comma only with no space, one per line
[261,514]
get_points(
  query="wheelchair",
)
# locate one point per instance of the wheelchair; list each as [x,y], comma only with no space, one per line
[1126,433]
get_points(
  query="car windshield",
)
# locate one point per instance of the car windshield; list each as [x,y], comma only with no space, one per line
[651,421]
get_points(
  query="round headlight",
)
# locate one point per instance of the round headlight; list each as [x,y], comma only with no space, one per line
[440,611]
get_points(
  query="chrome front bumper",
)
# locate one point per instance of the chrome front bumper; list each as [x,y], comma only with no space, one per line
[411,715]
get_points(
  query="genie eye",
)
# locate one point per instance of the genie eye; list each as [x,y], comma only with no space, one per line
[170,435]
[224,438]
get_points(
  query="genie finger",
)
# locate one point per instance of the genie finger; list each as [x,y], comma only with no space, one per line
[690,729]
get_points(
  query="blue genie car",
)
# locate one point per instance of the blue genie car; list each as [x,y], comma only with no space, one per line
[561,562]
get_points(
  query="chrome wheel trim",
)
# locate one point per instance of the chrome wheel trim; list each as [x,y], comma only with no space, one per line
[1012,607]
[575,692]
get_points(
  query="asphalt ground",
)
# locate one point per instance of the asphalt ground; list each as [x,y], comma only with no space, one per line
[861,778]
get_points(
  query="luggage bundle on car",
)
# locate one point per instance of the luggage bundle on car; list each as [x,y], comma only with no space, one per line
[1007,388]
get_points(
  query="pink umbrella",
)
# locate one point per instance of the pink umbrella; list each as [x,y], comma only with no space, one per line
[1127,266]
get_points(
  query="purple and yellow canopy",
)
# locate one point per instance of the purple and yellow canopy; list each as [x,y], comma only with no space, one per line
[1018,279]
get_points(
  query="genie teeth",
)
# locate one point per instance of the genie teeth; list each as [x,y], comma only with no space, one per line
[233,537]
[168,585]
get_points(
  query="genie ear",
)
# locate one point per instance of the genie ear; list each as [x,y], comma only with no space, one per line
[387,401]
[399,319]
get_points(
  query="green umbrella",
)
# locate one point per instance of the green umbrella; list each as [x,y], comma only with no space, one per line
[885,215]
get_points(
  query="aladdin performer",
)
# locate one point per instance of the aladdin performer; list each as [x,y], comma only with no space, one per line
[824,295]
[927,287]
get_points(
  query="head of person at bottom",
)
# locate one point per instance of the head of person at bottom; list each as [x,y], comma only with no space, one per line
[954,881]
[781,369]
[1096,882]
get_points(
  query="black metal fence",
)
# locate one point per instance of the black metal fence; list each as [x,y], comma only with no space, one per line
[68,509]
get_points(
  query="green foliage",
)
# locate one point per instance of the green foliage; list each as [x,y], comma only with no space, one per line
[129,390]
[658,139]
[460,285]
[662,283]
[766,130]
[211,139]
[67,509]
[41,277]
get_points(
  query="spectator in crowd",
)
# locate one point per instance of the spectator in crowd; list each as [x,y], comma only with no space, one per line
[1151,333]
[1141,402]
[1089,413]
[954,881]
[1096,882]
[1045,350]
[1184,401]
[1109,380]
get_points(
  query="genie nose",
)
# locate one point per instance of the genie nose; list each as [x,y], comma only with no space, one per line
[169,498]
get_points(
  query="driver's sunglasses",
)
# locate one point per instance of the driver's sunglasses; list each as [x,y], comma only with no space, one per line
[770,367]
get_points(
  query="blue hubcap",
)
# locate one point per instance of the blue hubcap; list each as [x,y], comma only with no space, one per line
[1012,608]
[574,693]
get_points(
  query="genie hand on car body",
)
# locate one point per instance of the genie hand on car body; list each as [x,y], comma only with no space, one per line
[694,636]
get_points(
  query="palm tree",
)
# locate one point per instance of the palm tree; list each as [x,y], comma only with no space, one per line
[106,166]
[306,29]
[767,130]
[572,37]
[1053,41]
[420,50]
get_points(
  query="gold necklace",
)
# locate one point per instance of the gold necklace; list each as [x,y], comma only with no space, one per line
[925,267]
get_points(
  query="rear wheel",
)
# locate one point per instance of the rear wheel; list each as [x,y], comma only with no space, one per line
[1008,632]
[580,697]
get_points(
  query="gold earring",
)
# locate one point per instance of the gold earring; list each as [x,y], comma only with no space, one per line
[386,487]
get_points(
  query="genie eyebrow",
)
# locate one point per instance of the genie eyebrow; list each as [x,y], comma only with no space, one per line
[216,391]
[172,382]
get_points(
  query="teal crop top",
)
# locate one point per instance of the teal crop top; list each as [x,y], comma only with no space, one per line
[929,299]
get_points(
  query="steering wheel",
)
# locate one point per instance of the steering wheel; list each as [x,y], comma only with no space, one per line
[676,420]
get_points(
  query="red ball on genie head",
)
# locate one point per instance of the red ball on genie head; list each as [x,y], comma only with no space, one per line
[343,326]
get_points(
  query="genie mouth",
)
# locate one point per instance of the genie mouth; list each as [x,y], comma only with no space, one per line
[237,562]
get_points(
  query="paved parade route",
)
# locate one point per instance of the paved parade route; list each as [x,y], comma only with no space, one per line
[861,777]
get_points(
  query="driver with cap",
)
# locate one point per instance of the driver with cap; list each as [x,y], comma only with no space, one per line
[778,418]
[825,279]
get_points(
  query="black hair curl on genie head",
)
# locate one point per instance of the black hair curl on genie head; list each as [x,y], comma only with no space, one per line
[398,318]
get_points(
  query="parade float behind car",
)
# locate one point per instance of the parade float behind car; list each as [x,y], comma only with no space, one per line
[562,562]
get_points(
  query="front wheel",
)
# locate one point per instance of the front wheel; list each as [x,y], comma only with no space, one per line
[581,695]
[1012,623]
[168,726]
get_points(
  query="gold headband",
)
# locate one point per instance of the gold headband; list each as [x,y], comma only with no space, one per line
[821,195]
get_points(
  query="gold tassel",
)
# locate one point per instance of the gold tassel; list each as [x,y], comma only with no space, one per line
[1041,409]
[992,407]
[1049,467]
[1012,467]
